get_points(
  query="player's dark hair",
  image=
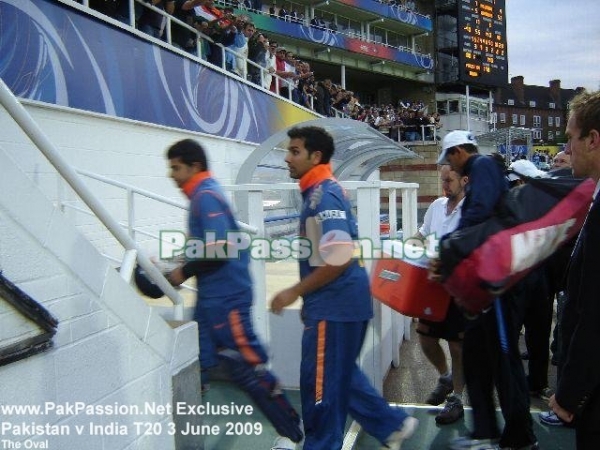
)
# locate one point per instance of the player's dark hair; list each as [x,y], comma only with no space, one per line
[189,152]
[315,139]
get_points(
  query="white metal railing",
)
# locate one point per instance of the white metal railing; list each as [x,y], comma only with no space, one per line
[41,141]
[433,129]
[130,223]
[338,114]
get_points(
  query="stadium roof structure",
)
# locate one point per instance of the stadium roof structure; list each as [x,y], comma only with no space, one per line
[359,151]
[505,136]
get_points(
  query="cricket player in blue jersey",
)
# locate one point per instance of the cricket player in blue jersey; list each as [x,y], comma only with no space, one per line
[224,302]
[336,310]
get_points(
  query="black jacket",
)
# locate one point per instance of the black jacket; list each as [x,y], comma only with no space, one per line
[579,377]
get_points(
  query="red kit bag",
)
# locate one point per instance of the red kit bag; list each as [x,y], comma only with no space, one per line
[531,223]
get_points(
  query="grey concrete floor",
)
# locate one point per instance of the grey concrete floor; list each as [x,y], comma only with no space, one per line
[415,378]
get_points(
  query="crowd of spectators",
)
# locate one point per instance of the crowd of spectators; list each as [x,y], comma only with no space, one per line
[152,22]
[267,63]
[408,121]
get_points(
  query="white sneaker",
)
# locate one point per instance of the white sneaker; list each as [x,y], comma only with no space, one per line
[469,443]
[394,441]
[283,443]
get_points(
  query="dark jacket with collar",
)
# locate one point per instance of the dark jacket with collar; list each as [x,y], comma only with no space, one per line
[579,377]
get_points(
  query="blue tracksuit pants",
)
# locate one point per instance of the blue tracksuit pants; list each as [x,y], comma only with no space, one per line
[333,386]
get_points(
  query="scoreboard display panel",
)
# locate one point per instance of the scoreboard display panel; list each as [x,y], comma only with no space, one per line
[482,42]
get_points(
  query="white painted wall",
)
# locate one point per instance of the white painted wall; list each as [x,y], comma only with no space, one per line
[124,150]
[110,348]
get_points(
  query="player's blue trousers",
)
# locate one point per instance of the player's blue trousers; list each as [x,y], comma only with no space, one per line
[332,386]
[228,324]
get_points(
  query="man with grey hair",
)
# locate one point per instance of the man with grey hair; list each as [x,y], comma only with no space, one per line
[561,160]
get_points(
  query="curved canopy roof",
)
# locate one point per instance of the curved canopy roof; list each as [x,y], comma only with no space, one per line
[359,151]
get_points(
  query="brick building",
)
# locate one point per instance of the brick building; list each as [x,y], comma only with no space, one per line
[543,109]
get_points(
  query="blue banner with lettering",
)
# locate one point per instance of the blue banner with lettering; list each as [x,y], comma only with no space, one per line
[56,54]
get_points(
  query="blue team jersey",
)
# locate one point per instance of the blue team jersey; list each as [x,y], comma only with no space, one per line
[211,218]
[327,211]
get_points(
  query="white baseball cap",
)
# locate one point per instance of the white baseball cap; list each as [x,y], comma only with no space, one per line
[454,139]
[524,167]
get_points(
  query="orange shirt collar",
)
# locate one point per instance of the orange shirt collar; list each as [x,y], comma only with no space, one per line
[190,185]
[315,175]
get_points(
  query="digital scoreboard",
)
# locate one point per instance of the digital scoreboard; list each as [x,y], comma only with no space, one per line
[482,42]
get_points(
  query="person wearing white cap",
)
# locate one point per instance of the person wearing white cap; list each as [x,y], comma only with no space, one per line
[523,168]
[487,182]
[484,362]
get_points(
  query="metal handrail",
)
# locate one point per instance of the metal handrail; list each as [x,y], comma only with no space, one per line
[41,141]
[151,195]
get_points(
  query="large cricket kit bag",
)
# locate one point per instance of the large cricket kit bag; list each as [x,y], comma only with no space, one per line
[531,222]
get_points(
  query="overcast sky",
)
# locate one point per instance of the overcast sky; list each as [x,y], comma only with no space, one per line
[554,39]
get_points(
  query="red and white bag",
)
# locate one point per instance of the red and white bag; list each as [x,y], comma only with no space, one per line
[531,222]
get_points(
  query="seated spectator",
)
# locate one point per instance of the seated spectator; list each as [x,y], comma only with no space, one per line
[283,13]
[272,12]
[295,17]
[317,22]
[360,114]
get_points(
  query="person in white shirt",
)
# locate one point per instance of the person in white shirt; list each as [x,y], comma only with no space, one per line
[441,218]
